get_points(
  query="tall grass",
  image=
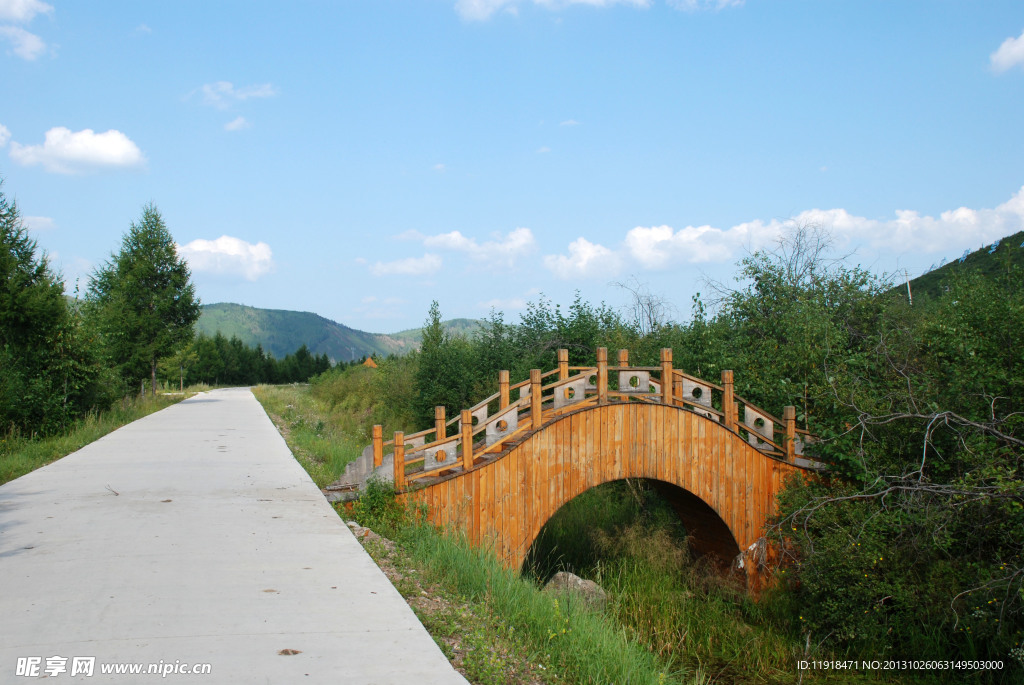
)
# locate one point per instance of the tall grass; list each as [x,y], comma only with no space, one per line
[670,618]
[320,439]
[584,645]
[22,454]
[686,611]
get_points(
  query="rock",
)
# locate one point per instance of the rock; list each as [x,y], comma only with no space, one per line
[590,592]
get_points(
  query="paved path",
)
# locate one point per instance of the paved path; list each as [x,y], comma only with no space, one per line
[218,549]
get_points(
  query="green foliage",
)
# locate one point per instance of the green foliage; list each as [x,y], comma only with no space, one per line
[47,372]
[142,299]
[378,508]
[322,443]
[443,376]
[223,361]
[360,397]
[21,455]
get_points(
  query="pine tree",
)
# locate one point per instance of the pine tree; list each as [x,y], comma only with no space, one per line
[144,301]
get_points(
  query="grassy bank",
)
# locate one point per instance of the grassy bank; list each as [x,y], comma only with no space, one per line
[669,619]
[561,639]
[20,455]
[322,438]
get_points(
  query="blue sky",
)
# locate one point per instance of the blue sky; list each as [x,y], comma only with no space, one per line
[359,159]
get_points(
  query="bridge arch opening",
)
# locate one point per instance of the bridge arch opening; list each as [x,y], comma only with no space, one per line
[636,516]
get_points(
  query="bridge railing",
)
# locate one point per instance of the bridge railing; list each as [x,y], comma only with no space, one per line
[496,421]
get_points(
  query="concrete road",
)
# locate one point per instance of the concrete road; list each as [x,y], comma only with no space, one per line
[193,537]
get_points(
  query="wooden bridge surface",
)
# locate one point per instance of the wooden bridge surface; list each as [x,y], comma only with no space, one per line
[505,503]
[719,460]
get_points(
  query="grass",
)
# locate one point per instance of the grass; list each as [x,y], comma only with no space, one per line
[669,619]
[20,455]
[322,446]
[562,638]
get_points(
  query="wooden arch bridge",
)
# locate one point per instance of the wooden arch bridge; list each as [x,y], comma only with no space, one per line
[501,469]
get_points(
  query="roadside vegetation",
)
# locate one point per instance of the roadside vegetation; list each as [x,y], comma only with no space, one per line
[20,455]
[670,618]
[912,548]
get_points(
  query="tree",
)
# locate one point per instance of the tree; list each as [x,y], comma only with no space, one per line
[143,299]
[46,370]
[443,376]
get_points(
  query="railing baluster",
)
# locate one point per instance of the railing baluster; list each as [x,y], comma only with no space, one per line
[378,445]
[731,415]
[563,364]
[467,440]
[602,375]
[789,417]
[666,375]
[502,389]
[440,432]
[535,398]
[399,460]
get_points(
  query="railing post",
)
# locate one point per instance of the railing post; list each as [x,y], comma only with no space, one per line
[666,375]
[789,417]
[378,445]
[602,375]
[440,430]
[563,364]
[535,399]
[502,389]
[399,460]
[467,440]
[623,357]
[728,403]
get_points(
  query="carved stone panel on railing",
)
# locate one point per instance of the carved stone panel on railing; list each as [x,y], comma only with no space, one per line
[758,424]
[634,381]
[441,455]
[480,415]
[524,394]
[570,393]
[699,394]
[591,382]
[504,423]
[413,444]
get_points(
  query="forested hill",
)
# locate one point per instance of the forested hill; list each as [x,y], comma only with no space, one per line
[989,260]
[281,332]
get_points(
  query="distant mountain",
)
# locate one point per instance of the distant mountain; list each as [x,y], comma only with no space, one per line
[281,332]
[464,327]
[1009,251]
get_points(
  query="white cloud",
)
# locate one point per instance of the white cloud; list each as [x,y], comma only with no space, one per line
[237,124]
[481,10]
[23,10]
[37,224]
[222,94]
[698,5]
[570,122]
[543,150]
[229,256]
[504,250]
[657,246]
[5,135]
[440,168]
[23,44]
[585,260]
[411,266]
[1010,54]
[64,151]
[142,28]
[663,247]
